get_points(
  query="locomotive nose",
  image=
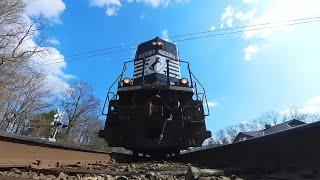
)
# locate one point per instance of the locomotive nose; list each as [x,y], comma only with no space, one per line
[156,109]
[153,132]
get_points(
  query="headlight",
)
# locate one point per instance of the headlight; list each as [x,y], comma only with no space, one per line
[184,82]
[158,44]
[127,81]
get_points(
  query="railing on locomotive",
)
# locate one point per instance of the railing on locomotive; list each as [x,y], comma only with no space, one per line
[202,96]
[193,84]
[110,94]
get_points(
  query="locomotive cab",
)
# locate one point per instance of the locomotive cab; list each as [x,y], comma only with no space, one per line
[157,110]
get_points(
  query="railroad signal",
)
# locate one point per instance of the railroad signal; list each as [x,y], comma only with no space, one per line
[57,123]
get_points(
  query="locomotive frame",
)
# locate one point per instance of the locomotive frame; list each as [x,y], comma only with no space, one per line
[156,119]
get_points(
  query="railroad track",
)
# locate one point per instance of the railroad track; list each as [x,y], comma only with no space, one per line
[298,148]
[20,151]
[290,154]
[26,158]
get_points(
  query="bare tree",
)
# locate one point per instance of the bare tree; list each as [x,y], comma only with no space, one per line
[313,118]
[295,113]
[232,132]
[227,135]
[22,100]
[222,137]
[271,118]
[23,91]
[88,135]
[21,36]
[78,102]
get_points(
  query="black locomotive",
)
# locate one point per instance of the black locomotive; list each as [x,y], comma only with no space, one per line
[157,112]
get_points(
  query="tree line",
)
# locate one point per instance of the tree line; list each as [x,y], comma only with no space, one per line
[272,118]
[27,103]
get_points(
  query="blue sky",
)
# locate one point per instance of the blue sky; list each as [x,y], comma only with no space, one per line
[245,74]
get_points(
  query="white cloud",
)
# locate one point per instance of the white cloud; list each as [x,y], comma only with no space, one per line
[250,1]
[104,3]
[165,34]
[245,16]
[227,16]
[212,28]
[277,11]
[155,3]
[182,1]
[113,6]
[228,12]
[250,51]
[53,41]
[111,11]
[261,34]
[55,76]
[45,62]
[50,9]
[212,104]
[256,12]
[312,106]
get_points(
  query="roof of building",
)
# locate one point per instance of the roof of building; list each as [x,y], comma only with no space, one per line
[271,129]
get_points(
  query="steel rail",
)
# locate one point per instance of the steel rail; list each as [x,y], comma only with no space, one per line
[20,151]
[298,147]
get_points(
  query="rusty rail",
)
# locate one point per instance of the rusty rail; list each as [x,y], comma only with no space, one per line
[19,151]
[296,148]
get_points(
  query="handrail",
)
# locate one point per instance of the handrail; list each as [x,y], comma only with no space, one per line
[204,95]
[123,70]
[107,97]
[189,70]
[119,78]
[191,82]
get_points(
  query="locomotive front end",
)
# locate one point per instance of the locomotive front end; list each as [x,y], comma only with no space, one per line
[157,110]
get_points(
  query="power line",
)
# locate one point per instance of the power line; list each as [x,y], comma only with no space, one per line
[75,56]
[104,49]
[245,30]
[242,27]
[268,25]
[84,57]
